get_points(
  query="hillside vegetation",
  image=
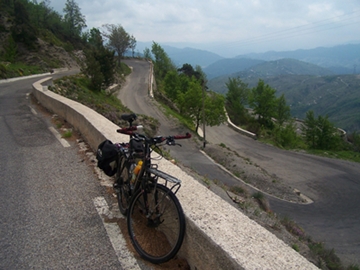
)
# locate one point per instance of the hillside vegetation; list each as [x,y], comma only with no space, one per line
[306,87]
[34,38]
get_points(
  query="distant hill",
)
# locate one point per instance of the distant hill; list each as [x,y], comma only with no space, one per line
[185,55]
[191,56]
[269,69]
[229,65]
[342,59]
[284,67]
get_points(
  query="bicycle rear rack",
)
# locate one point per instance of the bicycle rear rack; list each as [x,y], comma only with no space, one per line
[167,177]
[164,175]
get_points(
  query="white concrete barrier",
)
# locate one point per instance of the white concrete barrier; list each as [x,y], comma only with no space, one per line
[218,236]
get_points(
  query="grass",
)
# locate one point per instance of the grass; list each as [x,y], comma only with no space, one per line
[19,69]
[262,201]
[344,155]
[238,190]
[300,145]
[67,134]
[295,247]
[183,120]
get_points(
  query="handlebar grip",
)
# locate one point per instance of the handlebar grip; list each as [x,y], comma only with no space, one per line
[129,130]
[179,137]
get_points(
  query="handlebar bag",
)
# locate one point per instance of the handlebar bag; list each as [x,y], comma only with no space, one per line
[106,155]
[137,147]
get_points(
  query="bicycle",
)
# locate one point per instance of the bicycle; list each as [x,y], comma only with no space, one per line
[155,219]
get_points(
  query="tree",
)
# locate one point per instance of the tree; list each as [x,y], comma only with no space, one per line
[214,109]
[22,30]
[100,61]
[95,39]
[189,102]
[10,50]
[320,133]
[192,98]
[147,54]
[171,84]
[119,40]
[236,99]
[282,110]
[73,18]
[310,129]
[132,45]
[162,62]
[326,134]
[354,138]
[93,71]
[263,101]
[286,136]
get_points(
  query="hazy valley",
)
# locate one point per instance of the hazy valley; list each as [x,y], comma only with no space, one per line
[325,80]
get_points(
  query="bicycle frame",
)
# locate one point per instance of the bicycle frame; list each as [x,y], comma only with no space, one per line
[148,169]
[150,198]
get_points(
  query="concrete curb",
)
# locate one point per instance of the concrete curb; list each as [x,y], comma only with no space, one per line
[218,236]
[240,130]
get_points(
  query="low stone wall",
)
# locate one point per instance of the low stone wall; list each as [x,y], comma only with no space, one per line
[218,236]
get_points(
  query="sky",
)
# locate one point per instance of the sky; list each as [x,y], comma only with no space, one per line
[229,27]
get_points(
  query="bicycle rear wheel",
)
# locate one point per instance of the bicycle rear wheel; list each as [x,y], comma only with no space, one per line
[156,231]
[123,185]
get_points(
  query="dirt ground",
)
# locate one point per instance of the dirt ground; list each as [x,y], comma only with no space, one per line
[251,175]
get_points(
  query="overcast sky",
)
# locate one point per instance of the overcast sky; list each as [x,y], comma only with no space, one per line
[229,27]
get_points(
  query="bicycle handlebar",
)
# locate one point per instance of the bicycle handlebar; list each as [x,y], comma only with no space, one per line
[129,130]
[154,140]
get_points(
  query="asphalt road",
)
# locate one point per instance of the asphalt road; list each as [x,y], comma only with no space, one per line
[333,185]
[47,215]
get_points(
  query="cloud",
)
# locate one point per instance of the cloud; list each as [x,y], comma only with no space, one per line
[228,21]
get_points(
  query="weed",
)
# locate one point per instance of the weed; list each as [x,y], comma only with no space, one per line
[67,134]
[293,228]
[295,247]
[245,205]
[257,212]
[207,181]
[262,201]
[329,257]
[237,174]
[222,145]
[353,267]
[238,190]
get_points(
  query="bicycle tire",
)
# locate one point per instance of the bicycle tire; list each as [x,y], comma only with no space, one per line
[123,193]
[158,238]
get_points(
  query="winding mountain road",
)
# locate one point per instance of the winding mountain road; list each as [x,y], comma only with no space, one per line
[333,185]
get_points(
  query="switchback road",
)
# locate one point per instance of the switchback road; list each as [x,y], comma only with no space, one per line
[333,185]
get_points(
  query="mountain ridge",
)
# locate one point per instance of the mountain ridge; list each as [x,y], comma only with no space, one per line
[341,59]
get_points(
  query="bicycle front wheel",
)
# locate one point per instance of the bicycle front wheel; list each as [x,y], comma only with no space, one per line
[123,182]
[156,223]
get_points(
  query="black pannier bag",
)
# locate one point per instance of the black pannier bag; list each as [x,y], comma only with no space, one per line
[106,155]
